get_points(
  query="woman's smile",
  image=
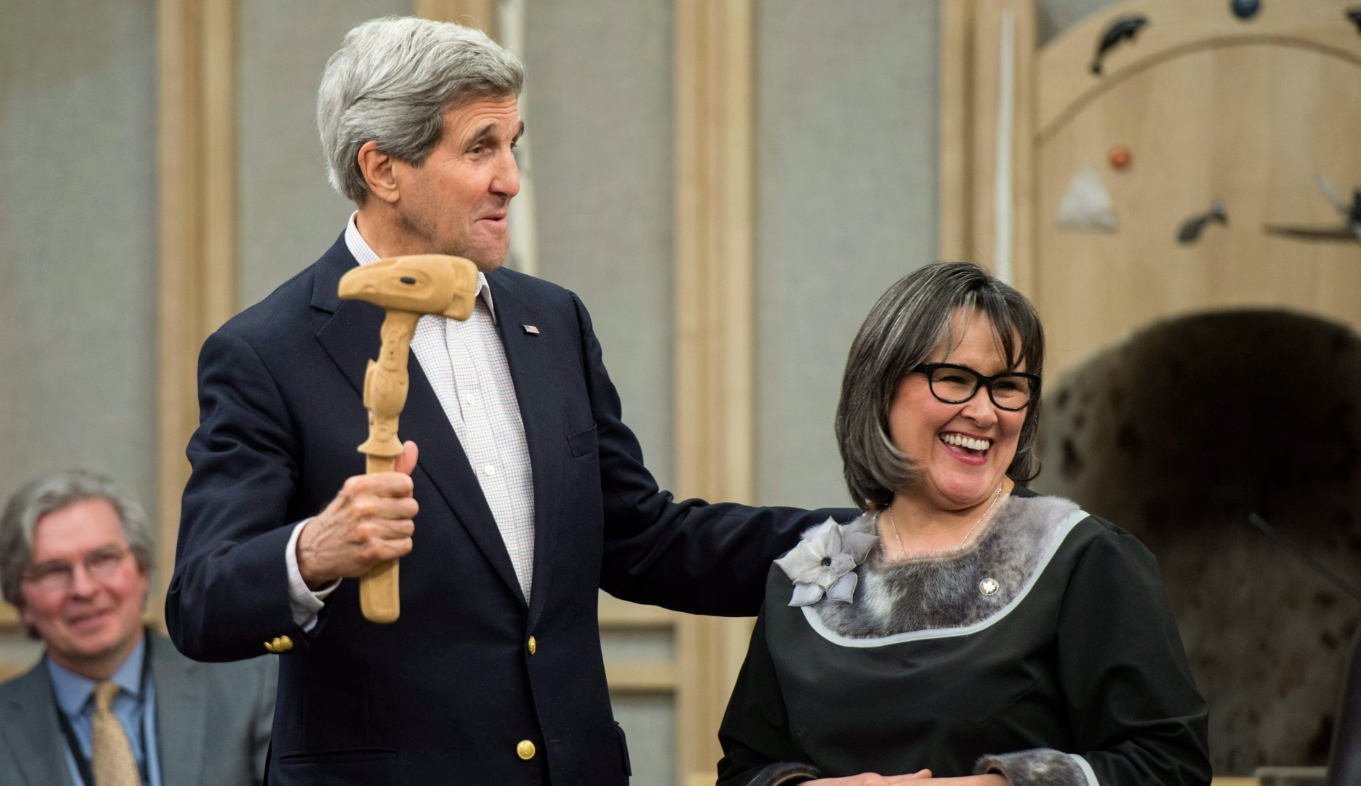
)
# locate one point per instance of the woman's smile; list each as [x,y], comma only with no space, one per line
[969,449]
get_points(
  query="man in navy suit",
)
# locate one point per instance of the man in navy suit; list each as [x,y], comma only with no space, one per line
[531,492]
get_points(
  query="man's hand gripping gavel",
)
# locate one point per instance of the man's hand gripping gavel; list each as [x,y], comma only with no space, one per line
[368,525]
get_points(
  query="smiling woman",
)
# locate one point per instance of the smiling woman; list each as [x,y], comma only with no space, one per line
[963,628]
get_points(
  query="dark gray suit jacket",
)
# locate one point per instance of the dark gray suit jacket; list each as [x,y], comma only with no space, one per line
[212,722]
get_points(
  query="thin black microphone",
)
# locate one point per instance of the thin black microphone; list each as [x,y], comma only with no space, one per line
[1304,556]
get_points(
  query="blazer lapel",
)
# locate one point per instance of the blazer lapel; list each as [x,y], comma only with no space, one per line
[28,723]
[181,713]
[351,338]
[534,386]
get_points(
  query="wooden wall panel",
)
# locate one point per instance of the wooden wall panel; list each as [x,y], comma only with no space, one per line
[1000,168]
[714,321]
[197,184]
[987,113]
[481,14]
[956,130]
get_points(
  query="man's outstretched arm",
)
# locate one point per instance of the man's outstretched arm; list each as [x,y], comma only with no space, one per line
[688,556]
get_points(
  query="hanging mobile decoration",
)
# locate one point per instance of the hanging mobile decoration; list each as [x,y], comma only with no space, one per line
[1245,9]
[1119,30]
[1086,206]
[1191,228]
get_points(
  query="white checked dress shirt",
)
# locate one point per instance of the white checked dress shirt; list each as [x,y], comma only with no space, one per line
[466,365]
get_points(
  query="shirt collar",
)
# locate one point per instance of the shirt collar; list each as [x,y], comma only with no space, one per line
[73,691]
[364,255]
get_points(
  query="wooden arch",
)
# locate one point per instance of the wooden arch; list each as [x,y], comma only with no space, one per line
[1246,109]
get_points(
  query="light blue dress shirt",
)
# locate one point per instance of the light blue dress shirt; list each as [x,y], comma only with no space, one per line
[135,709]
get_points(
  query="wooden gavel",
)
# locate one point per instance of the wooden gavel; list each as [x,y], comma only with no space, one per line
[407,288]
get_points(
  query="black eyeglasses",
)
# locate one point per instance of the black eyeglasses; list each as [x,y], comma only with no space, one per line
[954,384]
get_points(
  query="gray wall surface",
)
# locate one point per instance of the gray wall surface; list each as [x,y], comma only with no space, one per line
[78,240]
[846,205]
[288,213]
[598,115]
[597,111]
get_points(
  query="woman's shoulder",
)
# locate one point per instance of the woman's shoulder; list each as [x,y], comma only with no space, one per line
[1087,543]
[1103,545]
[1068,525]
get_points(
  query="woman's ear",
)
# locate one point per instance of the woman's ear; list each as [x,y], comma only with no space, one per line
[379,174]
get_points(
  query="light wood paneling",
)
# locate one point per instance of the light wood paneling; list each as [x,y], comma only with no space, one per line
[1068,83]
[956,130]
[481,14]
[1211,108]
[714,299]
[980,40]
[714,325]
[197,243]
[615,613]
[640,677]
[990,211]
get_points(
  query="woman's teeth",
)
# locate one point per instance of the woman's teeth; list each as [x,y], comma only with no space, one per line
[962,441]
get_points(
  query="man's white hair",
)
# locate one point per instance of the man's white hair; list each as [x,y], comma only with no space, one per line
[391,82]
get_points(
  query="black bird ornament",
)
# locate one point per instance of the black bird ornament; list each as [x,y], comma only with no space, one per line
[1191,227]
[1123,28]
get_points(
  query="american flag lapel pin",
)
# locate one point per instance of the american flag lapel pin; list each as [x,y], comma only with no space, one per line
[531,330]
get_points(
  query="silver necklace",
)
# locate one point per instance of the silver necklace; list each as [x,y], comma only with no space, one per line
[996,495]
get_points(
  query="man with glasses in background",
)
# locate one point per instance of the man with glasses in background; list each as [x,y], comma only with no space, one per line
[112,703]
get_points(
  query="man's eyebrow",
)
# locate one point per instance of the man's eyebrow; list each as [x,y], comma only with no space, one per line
[482,132]
[486,131]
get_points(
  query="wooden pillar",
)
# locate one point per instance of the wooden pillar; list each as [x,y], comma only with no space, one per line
[197,234]
[956,129]
[714,326]
[481,14]
[987,116]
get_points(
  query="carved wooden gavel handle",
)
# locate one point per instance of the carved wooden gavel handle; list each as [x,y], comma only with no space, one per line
[385,388]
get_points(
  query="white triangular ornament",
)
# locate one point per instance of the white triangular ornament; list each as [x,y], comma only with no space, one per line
[1086,206]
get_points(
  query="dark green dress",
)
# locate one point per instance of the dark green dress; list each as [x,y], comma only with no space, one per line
[1046,652]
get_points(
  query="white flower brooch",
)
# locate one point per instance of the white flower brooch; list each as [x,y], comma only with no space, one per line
[824,563]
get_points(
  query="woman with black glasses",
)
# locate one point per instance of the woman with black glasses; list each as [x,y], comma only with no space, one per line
[964,628]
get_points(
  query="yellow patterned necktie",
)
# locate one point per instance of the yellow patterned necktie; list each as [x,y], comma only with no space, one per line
[113,762]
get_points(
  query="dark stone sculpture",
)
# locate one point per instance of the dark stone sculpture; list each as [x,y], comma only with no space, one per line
[1176,435]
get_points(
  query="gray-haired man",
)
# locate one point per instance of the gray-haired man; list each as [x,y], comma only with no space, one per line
[110,703]
[531,491]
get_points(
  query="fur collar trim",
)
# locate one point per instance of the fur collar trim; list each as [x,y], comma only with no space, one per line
[955,590]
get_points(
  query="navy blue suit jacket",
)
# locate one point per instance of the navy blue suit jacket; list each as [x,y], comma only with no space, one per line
[444,694]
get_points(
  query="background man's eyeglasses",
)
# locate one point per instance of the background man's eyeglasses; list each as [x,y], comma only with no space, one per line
[56,575]
[954,384]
